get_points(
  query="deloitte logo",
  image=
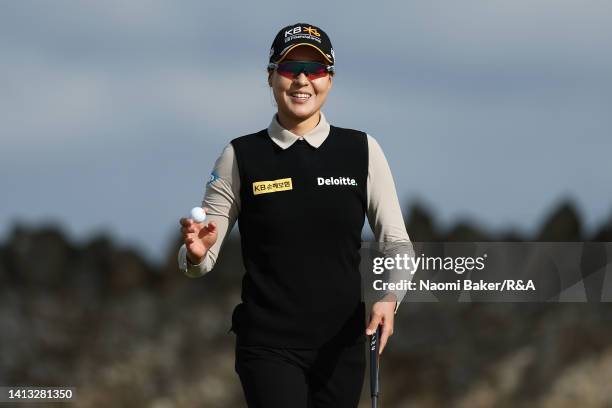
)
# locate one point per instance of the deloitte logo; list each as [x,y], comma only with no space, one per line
[336,181]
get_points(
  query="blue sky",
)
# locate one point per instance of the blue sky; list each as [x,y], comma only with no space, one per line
[112,113]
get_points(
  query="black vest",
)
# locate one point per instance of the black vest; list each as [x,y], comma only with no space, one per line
[302,212]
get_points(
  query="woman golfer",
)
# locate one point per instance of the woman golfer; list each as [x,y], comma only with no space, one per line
[300,191]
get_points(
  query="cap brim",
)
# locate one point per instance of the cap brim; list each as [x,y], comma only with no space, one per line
[310,45]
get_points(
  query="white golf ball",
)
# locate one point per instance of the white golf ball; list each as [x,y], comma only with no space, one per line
[198,214]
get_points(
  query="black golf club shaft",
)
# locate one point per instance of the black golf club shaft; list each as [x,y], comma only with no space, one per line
[375,366]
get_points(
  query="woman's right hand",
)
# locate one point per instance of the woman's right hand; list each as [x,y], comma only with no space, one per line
[198,238]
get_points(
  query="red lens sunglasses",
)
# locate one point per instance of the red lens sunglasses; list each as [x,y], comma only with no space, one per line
[312,70]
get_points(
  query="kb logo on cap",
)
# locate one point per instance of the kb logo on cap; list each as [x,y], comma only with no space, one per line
[297,30]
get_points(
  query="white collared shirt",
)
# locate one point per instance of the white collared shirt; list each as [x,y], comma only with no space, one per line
[222,194]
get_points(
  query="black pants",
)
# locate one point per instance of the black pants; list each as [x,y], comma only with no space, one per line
[330,376]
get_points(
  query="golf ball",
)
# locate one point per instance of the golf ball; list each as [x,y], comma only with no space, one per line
[198,214]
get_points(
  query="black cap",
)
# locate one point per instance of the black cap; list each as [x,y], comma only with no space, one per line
[301,34]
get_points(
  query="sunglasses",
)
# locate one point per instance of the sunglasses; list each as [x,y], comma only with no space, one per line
[312,70]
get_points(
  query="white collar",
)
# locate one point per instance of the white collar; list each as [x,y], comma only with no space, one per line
[284,138]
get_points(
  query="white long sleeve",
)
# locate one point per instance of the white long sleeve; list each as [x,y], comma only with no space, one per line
[222,203]
[384,212]
[222,197]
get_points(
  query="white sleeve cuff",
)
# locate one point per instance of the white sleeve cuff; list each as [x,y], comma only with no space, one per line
[189,269]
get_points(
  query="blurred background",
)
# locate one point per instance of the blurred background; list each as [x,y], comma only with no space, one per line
[494,117]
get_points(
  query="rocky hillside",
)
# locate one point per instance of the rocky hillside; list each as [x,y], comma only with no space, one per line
[127,333]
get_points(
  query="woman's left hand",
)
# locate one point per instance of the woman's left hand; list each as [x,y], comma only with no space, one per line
[383,313]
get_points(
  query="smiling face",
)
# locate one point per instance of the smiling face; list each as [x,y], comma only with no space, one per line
[299,99]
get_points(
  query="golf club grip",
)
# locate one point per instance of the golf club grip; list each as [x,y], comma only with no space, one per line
[374,364]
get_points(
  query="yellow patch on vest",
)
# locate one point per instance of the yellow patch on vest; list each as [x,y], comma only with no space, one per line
[263,187]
